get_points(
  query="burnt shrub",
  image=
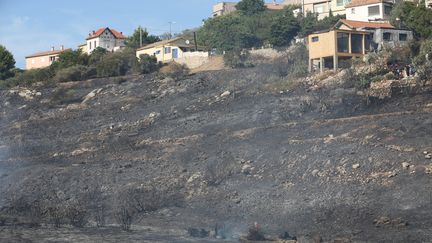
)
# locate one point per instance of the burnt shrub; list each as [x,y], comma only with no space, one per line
[63,96]
[237,59]
[255,233]
[294,62]
[219,171]
[75,73]
[174,70]
[56,215]
[76,215]
[125,216]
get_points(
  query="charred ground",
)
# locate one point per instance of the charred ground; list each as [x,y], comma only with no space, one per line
[313,161]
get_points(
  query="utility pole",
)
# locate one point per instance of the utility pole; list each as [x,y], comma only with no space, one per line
[140,35]
[171,23]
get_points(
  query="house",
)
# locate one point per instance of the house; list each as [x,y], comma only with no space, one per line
[369,10]
[381,33]
[323,7]
[83,48]
[224,8]
[107,38]
[178,49]
[351,39]
[43,59]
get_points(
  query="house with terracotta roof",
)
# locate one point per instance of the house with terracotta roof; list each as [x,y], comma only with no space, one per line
[369,10]
[178,49]
[107,38]
[351,39]
[43,59]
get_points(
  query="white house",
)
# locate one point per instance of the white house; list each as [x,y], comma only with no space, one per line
[368,10]
[107,38]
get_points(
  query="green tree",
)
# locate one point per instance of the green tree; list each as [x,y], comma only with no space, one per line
[7,62]
[251,7]
[97,55]
[284,28]
[228,32]
[415,18]
[133,41]
[70,58]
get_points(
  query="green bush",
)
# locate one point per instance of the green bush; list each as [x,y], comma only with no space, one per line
[29,77]
[118,64]
[74,73]
[148,64]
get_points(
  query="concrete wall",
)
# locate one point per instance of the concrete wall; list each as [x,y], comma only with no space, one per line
[361,13]
[193,59]
[394,35]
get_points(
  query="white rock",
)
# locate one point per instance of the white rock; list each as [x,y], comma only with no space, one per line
[405,165]
[428,156]
[226,93]
[356,166]
[315,172]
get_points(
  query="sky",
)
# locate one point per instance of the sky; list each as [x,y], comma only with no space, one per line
[30,26]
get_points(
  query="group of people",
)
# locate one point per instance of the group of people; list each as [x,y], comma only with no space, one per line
[402,71]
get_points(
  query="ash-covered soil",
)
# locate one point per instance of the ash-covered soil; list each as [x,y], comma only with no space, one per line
[317,163]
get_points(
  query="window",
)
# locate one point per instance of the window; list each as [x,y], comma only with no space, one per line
[52,58]
[356,43]
[90,45]
[320,8]
[387,36]
[94,44]
[339,2]
[387,9]
[342,42]
[315,39]
[368,42]
[374,10]
[157,52]
[403,37]
[167,50]
[352,10]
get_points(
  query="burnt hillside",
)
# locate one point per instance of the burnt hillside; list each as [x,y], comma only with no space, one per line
[190,155]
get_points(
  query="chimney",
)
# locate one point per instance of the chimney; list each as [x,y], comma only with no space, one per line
[52,48]
[62,47]
[94,32]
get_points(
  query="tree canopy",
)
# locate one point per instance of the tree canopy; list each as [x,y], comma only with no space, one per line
[7,63]
[133,41]
[251,7]
[415,18]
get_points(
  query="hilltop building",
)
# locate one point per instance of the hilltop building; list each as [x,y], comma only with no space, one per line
[224,8]
[107,38]
[178,49]
[43,59]
[369,10]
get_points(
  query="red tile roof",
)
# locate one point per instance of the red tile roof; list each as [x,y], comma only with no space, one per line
[355,3]
[118,35]
[360,24]
[47,53]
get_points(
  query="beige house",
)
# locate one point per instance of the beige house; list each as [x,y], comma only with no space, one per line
[178,49]
[107,38]
[43,59]
[351,39]
[83,48]
[323,7]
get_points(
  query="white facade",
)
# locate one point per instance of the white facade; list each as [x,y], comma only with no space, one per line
[379,12]
[105,40]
